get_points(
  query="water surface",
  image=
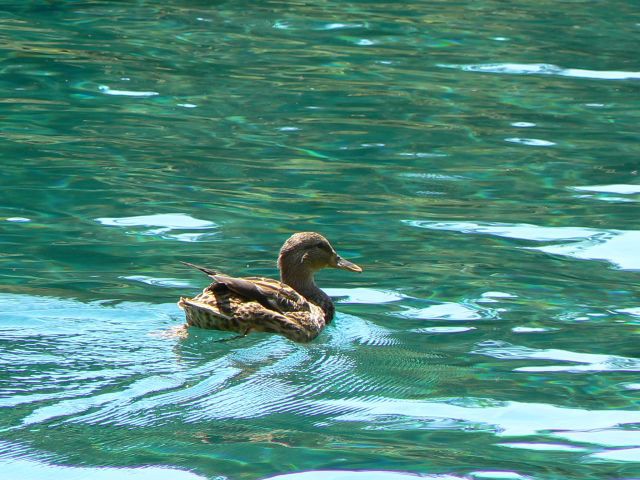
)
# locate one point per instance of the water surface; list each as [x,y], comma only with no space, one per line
[478,159]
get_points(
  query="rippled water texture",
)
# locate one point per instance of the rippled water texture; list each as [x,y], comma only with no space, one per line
[479,159]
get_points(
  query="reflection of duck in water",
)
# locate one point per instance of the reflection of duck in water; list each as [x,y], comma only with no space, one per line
[294,307]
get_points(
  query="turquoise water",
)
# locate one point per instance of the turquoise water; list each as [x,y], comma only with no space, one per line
[479,159]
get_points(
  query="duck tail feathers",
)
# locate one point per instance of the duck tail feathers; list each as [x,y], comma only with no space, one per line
[206,270]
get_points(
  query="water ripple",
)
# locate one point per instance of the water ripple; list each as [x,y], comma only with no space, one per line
[158,282]
[544,447]
[330,372]
[364,295]
[18,469]
[256,397]
[127,93]
[443,329]
[20,462]
[499,475]
[503,418]
[589,362]
[619,455]
[615,246]
[449,311]
[116,400]
[167,223]
[533,142]
[137,405]
[609,193]
[349,330]
[621,189]
[358,475]
[604,437]
[545,69]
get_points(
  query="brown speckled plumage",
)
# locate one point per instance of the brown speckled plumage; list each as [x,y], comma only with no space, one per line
[294,307]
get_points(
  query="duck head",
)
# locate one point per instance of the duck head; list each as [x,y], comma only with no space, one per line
[307,252]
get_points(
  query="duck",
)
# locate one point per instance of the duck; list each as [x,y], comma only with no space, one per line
[293,306]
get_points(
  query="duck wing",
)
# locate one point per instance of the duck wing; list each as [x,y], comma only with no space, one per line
[271,294]
[250,290]
[281,295]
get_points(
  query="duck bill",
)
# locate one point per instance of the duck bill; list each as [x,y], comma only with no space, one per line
[343,264]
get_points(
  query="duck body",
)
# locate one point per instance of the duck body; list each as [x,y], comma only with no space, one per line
[219,307]
[293,306]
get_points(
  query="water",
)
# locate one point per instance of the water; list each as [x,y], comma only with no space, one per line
[478,159]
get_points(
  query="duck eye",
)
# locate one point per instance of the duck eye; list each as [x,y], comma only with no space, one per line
[323,246]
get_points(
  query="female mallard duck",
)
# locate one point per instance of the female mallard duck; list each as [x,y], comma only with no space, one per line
[294,306]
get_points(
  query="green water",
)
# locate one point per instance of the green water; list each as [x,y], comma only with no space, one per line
[479,159]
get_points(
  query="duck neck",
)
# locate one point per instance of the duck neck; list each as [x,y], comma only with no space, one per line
[304,283]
